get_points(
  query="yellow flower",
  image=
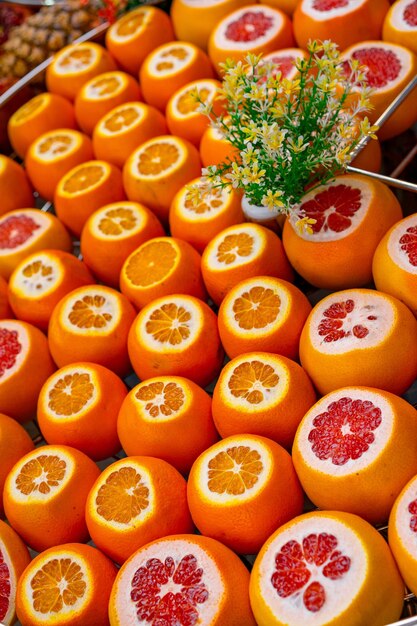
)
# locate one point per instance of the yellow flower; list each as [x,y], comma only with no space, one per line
[272,199]
[304,224]
[367,129]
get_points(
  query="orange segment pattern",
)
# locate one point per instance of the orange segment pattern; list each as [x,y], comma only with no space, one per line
[122,119]
[234,470]
[85,313]
[256,308]
[130,24]
[161,399]
[233,246]
[157,158]
[58,144]
[37,270]
[117,221]
[123,496]
[106,86]
[80,58]
[83,178]
[59,583]
[209,202]
[71,393]
[187,103]
[151,264]
[41,474]
[251,379]
[169,324]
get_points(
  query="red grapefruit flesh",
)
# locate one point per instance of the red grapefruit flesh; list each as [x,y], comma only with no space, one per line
[333,209]
[16,230]
[10,347]
[5,587]
[408,243]
[249,27]
[382,66]
[328,5]
[410,13]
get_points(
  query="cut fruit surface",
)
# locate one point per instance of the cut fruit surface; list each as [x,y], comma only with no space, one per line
[284,61]
[14,557]
[402,528]
[14,443]
[400,24]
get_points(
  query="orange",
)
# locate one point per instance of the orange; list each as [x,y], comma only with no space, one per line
[343,21]
[288,6]
[137,33]
[124,128]
[360,337]
[182,112]
[78,406]
[176,336]
[241,489]
[14,557]
[402,533]
[193,20]
[263,313]
[252,28]
[112,233]
[168,417]
[157,170]
[389,68]
[92,324]
[28,230]
[44,112]
[352,214]
[355,449]
[394,266]
[45,494]
[101,94]
[134,501]
[14,443]
[68,584]
[262,394]
[169,67]
[370,157]
[5,309]
[198,222]
[241,251]
[52,155]
[214,149]
[40,281]
[15,188]
[76,64]
[161,267]
[327,568]
[195,579]
[400,24]
[84,189]
[25,364]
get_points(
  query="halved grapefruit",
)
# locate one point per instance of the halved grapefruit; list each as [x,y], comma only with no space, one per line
[14,558]
[284,61]
[400,24]
[402,528]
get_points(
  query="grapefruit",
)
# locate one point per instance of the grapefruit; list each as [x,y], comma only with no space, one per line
[14,557]
[402,528]
[400,24]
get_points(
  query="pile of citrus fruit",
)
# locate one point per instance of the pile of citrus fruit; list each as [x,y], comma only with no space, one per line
[192,402]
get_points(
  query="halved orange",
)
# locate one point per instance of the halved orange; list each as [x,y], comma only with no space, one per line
[263,313]
[28,230]
[402,533]
[169,67]
[182,112]
[241,489]
[196,578]
[400,24]
[261,393]
[134,501]
[215,149]
[124,128]
[198,222]
[49,483]
[176,336]
[160,267]
[15,188]
[25,364]
[40,281]
[112,233]
[66,584]
[14,557]
[5,309]
[44,112]
[84,189]
[101,94]
[92,324]
[168,417]
[52,155]
[156,170]
[242,251]
[74,65]
[15,442]
[78,406]
[137,33]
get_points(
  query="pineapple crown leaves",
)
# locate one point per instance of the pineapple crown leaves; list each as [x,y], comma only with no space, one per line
[292,134]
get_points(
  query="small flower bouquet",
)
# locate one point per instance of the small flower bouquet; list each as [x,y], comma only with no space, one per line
[292,135]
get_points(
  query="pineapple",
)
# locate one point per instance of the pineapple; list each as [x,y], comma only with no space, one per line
[43,34]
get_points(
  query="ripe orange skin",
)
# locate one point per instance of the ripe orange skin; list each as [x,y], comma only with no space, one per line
[288,6]
[106,256]
[200,363]
[38,312]
[15,189]
[5,309]
[178,441]
[185,278]
[18,553]
[130,54]
[234,608]
[88,112]
[405,559]
[278,423]
[390,32]
[214,151]
[369,492]
[366,23]
[171,514]
[346,262]
[245,526]
[103,573]
[57,113]
[45,176]
[32,519]
[14,443]
[157,90]
[19,392]
[379,601]
[110,351]
[95,431]
[391,366]
[74,209]
[370,157]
